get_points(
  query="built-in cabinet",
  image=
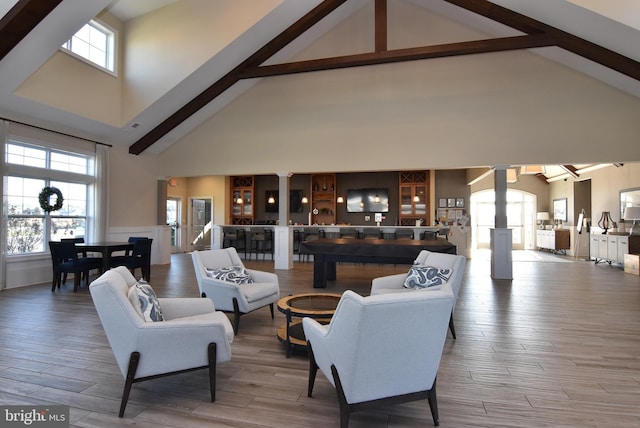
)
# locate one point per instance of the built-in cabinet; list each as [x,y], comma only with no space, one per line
[323,199]
[242,192]
[553,240]
[609,248]
[414,198]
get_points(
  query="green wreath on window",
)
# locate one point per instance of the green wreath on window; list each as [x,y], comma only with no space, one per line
[45,196]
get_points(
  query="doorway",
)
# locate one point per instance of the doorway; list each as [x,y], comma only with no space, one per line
[521,209]
[201,221]
[174,219]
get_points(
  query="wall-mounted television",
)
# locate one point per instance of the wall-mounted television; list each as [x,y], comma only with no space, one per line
[295,201]
[368,200]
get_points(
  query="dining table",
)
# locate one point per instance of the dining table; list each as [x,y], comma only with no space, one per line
[106,248]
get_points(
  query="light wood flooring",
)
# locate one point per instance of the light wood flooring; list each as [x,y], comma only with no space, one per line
[559,346]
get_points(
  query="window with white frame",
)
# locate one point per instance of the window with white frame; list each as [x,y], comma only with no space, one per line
[95,43]
[30,169]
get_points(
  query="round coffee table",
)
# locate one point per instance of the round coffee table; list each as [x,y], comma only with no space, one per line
[320,306]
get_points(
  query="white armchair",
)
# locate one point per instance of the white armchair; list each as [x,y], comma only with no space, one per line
[377,350]
[230,296]
[394,283]
[192,336]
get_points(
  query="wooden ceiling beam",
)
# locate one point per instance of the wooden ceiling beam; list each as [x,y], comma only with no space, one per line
[23,17]
[571,170]
[399,55]
[381,25]
[233,76]
[567,41]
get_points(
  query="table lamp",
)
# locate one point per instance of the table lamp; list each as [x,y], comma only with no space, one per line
[605,221]
[542,217]
[633,214]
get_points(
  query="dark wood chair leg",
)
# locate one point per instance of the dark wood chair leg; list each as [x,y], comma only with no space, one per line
[236,316]
[54,282]
[271,307]
[134,359]
[313,370]
[344,406]
[76,281]
[212,352]
[433,404]
[451,327]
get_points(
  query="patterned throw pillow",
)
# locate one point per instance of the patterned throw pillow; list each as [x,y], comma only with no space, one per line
[146,301]
[426,276]
[235,274]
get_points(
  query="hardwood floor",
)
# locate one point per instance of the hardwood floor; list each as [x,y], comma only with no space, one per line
[559,346]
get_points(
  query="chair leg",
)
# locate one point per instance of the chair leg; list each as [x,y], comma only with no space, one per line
[212,352]
[451,326]
[236,316]
[54,282]
[433,404]
[313,370]
[134,359]
[271,307]
[77,276]
[344,406]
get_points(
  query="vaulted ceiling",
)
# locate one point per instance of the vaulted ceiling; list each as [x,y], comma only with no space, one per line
[603,42]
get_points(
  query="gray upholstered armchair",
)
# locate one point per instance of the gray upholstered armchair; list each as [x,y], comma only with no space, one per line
[381,349]
[189,333]
[455,263]
[222,277]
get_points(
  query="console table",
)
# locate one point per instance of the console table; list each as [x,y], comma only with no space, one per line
[554,240]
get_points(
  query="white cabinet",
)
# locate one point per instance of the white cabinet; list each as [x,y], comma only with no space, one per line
[609,248]
[554,240]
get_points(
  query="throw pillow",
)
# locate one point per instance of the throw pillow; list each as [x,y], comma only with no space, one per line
[144,299]
[426,276]
[235,274]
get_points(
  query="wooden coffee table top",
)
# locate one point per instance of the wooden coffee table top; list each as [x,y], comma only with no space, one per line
[313,305]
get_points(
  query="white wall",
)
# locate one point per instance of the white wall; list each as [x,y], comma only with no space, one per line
[477,110]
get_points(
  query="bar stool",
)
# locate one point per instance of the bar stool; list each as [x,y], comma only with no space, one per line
[427,235]
[261,242]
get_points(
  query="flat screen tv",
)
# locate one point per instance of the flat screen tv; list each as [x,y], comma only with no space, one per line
[368,200]
[295,201]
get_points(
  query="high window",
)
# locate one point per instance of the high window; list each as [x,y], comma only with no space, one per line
[30,169]
[94,43]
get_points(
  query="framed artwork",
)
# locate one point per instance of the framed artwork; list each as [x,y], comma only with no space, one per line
[560,209]
[442,203]
[459,202]
[451,203]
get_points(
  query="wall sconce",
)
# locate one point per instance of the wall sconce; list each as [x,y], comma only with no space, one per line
[340,200]
[605,221]
[633,213]
[542,218]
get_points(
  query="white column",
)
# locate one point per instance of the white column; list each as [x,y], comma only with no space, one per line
[501,236]
[283,234]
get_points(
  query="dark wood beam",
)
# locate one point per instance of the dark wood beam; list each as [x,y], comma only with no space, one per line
[571,170]
[233,76]
[567,41]
[381,25]
[399,55]
[23,17]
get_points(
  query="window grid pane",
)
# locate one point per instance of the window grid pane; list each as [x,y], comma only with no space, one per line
[95,43]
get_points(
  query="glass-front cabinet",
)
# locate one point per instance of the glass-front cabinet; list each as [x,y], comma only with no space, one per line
[414,198]
[242,202]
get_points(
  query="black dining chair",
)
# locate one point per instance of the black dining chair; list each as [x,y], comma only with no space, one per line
[65,260]
[84,256]
[140,257]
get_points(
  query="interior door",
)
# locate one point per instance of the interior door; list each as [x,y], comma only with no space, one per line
[201,220]
[174,219]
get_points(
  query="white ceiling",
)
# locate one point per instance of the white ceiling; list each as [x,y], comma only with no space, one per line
[613,24]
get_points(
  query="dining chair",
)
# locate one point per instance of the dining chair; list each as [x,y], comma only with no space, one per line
[83,252]
[65,260]
[140,257]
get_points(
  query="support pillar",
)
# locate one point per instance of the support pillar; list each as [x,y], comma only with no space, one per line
[283,234]
[501,236]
